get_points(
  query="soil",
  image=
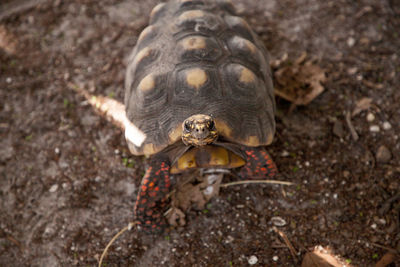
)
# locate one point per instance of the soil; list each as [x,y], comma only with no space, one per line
[68,182]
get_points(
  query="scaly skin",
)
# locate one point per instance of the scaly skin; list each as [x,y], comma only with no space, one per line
[152,197]
[259,164]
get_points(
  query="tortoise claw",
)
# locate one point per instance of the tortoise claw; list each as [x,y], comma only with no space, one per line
[152,197]
[259,164]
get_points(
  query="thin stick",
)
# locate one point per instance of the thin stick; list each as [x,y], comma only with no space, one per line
[257,182]
[351,127]
[128,227]
[287,242]
[391,250]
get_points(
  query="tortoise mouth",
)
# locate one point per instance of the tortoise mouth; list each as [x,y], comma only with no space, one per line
[199,130]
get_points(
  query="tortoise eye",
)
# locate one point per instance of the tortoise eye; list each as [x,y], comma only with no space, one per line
[187,126]
[210,125]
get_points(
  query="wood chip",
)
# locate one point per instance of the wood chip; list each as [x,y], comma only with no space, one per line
[387,259]
[361,105]
[320,258]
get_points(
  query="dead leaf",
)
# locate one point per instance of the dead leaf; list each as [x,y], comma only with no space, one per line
[193,190]
[299,82]
[176,217]
[361,105]
[320,257]
[8,41]
[387,259]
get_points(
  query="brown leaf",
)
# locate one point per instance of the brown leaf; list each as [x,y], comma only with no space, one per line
[299,82]
[361,105]
[387,259]
[320,258]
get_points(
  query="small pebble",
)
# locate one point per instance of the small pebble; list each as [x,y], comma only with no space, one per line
[370,117]
[284,153]
[278,221]
[57,150]
[253,260]
[387,125]
[351,41]
[307,164]
[381,221]
[373,226]
[9,80]
[53,188]
[374,129]
[383,154]
[275,258]
[352,71]
[335,196]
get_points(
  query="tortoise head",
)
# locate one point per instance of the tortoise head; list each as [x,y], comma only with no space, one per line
[199,130]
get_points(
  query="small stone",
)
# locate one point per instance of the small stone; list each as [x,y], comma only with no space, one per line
[383,154]
[381,221]
[373,226]
[351,41]
[352,71]
[338,129]
[374,129]
[53,188]
[307,164]
[387,125]
[57,150]
[275,258]
[253,260]
[335,196]
[370,117]
[9,80]
[284,153]
[278,221]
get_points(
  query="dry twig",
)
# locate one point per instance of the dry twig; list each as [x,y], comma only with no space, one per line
[128,227]
[257,182]
[287,242]
[351,127]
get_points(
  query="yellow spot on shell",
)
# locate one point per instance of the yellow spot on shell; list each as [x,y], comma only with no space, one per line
[270,138]
[147,83]
[156,9]
[190,15]
[175,134]
[145,32]
[247,76]
[243,43]
[253,141]
[194,42]
[196,77]
[145,52]
[149,149]
[223,129]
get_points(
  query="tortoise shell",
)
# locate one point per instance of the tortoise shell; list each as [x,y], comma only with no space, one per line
[198,57]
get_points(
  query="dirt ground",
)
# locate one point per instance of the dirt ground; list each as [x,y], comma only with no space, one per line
[68,182]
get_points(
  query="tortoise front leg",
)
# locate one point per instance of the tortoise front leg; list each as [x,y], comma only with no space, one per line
[152,197]
[259,164]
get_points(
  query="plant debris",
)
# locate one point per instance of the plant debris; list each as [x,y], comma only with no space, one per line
[321,257]
[299,82]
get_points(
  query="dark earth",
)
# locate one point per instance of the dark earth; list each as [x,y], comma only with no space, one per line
[68,183]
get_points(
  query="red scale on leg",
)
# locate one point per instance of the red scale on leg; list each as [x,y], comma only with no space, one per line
[258,164]
[152,197]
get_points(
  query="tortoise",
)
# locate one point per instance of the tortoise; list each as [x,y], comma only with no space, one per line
[198,94]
